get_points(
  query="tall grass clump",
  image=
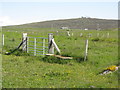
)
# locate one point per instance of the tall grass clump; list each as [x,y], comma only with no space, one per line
[52,59]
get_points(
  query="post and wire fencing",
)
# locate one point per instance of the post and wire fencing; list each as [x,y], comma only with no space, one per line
[37,46]
[41,46]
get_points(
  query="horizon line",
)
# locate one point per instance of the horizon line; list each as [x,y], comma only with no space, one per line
[58,19]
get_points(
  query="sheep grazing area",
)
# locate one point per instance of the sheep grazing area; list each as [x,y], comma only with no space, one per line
[21,70]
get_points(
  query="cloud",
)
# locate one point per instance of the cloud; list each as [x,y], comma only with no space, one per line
[6,20]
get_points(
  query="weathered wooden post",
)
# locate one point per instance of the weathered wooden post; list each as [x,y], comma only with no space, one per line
[3,39]
[24,40]
[27,44]
[72,34]
[57,32]
[108,35]
[34,46]
[50,44]
[55,45]
[86,49]
[81,34]
[43,46]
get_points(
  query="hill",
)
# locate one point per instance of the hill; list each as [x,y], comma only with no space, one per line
[77,23]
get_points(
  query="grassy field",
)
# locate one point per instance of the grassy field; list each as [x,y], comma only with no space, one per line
[22,70]
[0,58]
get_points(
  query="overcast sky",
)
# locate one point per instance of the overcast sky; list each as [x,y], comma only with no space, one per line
[14,13]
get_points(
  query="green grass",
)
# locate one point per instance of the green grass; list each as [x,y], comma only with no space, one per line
[26,71]
[0,58]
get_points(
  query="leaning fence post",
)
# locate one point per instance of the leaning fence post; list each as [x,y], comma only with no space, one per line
[3,39]
[68,33]
[24,40]
[86,49]
[50,44]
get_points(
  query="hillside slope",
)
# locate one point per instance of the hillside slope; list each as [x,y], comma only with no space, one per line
[78,23]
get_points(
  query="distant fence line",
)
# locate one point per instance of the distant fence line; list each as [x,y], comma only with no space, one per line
[89,34]
[51,45]
[99,35]
[43,46]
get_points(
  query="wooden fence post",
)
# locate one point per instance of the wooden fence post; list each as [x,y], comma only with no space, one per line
[34,46]
[50,44]
[72,34]
[57,32]
[81,34]
[24,39]
[27,44]
[86,49]
[55,45]
[108,35]
[43,46]
[3,39]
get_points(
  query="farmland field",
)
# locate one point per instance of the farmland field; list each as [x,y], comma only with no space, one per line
[21,70]
[0,71]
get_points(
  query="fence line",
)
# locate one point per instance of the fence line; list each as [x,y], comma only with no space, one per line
[51,44]
[85,34]
[42,51]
